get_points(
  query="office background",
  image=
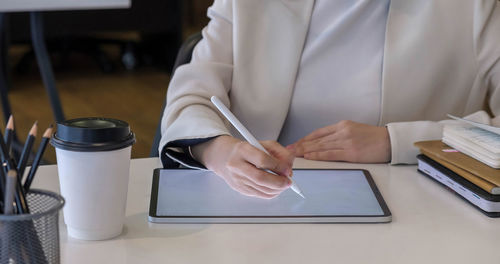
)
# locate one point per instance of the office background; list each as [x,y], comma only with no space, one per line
[110,63]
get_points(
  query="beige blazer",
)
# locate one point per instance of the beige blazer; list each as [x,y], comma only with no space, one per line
[440,56]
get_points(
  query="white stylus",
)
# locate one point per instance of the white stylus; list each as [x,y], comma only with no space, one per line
[246,134]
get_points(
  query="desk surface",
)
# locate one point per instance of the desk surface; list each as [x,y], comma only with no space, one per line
[52,5]
[430,225]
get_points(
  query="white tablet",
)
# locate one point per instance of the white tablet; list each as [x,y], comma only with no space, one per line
[332,196]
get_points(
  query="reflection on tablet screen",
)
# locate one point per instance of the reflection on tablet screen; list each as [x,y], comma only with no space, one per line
[328,193]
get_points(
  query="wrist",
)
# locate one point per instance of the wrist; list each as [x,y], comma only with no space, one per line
[387,144]
[207,152]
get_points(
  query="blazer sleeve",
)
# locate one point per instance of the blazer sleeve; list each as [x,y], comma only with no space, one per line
[189,117]
[486,38]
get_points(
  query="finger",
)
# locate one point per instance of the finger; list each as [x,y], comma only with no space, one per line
[262,178]
[298,149]
[327,142]
[329,155]
[291,148]
[237,183]
[278,151]
[322,144]
[252,192]
[260,188]
[321,132]
[262,160]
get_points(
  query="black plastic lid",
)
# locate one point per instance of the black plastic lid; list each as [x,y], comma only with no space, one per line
[92,134]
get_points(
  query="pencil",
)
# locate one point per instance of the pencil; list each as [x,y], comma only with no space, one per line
[20,197]
[10,189]
[25,154]
[38,158]
[9,133]
[4,157]
[21,205]
[2,186]
[8,208]
[3,150]
[7,140]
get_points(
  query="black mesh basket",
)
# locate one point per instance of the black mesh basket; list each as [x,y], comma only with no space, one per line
[32,238]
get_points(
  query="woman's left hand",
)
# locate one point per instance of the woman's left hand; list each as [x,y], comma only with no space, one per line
[345,141]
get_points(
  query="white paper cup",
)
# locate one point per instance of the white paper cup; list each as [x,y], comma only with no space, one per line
[93,159]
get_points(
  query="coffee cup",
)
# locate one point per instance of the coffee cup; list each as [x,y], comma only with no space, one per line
[93,162]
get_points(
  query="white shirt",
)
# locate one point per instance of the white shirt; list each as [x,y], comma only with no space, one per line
[251,51]
[340,71]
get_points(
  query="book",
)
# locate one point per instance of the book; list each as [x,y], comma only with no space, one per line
[474,171]
[479,141]
[481,183]
[485,202]
[493,129]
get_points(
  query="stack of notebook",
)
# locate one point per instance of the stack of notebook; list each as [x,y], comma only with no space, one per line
[467,164]
[479,141]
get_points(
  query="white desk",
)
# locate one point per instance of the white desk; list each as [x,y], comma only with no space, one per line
[430,225]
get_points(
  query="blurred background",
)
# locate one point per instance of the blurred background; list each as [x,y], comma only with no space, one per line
[108,63]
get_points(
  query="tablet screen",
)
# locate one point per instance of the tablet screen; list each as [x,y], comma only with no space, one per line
[329,193]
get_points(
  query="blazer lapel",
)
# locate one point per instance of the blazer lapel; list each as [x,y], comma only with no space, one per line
[301,8]
[387,63]
[263,80]
[266,78]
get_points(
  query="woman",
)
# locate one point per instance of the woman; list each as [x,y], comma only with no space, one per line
[355,81]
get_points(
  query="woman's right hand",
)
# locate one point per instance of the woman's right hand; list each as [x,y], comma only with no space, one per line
[243,166]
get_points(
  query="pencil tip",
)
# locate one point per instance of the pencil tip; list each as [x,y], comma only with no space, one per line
[48,132]
[10,123]
[34,128]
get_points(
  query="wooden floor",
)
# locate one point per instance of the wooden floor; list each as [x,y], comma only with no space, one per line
[132,96]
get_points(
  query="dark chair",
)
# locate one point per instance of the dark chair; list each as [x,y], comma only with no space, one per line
[183,57]
[157,27]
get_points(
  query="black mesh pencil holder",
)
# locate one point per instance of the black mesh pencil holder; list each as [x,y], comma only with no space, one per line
[32,238]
